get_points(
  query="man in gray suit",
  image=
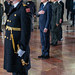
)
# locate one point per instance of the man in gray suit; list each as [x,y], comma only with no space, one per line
[55,22]
[61,19]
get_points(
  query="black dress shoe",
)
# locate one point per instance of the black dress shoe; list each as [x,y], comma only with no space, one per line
[55,44]
[40,56]
[71,25]
[46,57]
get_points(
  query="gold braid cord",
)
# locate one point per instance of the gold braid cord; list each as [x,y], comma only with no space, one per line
[13,42]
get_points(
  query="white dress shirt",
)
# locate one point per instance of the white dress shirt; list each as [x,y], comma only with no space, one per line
[45,3]
[15,5]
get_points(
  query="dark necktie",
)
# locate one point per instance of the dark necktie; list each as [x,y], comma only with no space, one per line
[42,6]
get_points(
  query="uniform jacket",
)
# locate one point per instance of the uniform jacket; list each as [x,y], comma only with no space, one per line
[18,17]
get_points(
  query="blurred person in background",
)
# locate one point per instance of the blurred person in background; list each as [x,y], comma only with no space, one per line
[61,19]
[67,4]
[55,21]
[32,7]
[7,5]
[1,14]
[72,9]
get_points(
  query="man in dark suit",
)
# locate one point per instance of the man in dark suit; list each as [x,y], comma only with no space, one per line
[68,8]
[1,14]
[44,24]
[72,9]
[62,5]
[7,6]
[17,36]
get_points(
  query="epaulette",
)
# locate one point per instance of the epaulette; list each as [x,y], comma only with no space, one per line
[24,5]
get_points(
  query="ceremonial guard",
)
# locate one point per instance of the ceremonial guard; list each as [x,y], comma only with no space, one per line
[17,36]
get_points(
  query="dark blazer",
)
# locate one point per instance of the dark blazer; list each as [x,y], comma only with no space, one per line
[62,12]
[7,7]
[44,19]
[19,17]
[67,4]
[71,7]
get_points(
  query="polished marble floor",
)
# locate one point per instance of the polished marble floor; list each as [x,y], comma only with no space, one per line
[62,63]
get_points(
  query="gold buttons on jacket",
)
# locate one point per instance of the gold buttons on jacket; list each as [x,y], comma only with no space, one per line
[8,20]
[8,14]
[15,15]
[6,37]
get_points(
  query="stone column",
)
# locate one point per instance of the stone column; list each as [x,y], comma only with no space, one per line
[4,16]
[64,11]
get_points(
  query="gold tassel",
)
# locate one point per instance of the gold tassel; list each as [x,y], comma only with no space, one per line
[18,47]
[13,43]
[23,62]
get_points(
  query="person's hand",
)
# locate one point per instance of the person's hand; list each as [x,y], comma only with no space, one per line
[41,12]
[20,52]
[57,25]
[60,21]
[34,16]
[45,30]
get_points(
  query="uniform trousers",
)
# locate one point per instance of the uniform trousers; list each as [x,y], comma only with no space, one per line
[20,73]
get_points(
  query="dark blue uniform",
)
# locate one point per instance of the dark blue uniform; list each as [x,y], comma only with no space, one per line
[44,22]
[18,30]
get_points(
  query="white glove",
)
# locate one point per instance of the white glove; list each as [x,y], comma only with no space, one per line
[20,52]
